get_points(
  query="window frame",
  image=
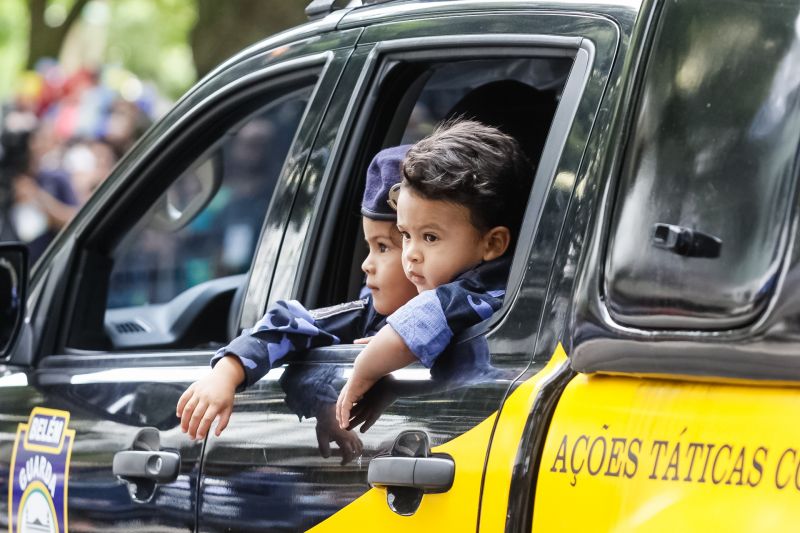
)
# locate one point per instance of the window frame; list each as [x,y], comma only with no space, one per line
[442,49]
[243,98]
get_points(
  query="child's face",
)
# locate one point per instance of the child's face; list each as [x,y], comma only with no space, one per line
[439,240]
[384,267]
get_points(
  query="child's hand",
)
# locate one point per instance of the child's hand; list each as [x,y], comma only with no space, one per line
[370,408]
[352,391]
[385,352]
[209,398]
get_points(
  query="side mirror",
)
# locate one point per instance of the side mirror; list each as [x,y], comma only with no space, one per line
[13,286]
[188,195]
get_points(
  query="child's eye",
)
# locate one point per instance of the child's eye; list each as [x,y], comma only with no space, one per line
[382,248]
[430,237]
[405,235]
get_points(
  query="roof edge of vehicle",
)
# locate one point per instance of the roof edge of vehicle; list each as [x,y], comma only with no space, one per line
[353,16]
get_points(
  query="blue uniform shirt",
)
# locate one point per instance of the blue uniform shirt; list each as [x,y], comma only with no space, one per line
[288,327]
[426,323]
[429,321]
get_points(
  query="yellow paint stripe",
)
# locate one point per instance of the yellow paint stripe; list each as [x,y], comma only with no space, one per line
[457,509]
[506,443]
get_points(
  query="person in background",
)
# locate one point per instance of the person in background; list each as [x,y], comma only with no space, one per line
[45,199]
[89,162]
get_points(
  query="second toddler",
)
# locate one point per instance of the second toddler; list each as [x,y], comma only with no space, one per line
[459,210]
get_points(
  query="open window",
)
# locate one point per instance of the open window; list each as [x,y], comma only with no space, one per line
[517,93]
[171,271]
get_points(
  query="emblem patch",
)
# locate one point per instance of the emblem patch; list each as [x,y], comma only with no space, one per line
[327,312]
[37,489]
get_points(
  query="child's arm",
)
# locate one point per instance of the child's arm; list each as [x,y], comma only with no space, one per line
[429,321]
[422,328]
[286,328]
[384,353]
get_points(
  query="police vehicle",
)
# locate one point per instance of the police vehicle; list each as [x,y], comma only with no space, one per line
[643,369]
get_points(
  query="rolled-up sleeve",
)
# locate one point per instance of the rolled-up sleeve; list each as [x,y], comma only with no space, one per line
[287,327]
[422,325]
[429,321]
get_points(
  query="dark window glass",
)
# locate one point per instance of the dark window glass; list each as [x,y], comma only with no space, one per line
[696,239]
[165,255]
[517,95]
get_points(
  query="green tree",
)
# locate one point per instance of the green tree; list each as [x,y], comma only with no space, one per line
[224,27]
[170,42]
[45,40]
[150,39]
[13,45]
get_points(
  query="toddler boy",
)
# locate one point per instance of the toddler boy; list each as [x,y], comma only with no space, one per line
[288,327]
[459,210]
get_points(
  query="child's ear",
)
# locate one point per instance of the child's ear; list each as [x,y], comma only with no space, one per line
[496,242]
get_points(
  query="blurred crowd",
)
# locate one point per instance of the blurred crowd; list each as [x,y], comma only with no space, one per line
[60,137]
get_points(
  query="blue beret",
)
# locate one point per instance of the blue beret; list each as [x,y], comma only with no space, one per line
[383,172]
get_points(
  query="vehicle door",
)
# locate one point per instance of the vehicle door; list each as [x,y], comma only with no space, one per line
[683,330]
[539,74]
[131,302]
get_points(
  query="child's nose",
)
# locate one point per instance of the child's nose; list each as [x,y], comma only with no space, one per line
[412,253]
[367,266]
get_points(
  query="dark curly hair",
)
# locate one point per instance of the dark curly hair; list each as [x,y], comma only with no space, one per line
[468,163]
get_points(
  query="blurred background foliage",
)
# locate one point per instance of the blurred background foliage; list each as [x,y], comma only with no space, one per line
[81,80]
[170,43]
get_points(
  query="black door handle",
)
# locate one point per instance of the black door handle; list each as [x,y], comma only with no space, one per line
[160,466]
[685,241]
[146,465]
[429,474]
[409,471]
